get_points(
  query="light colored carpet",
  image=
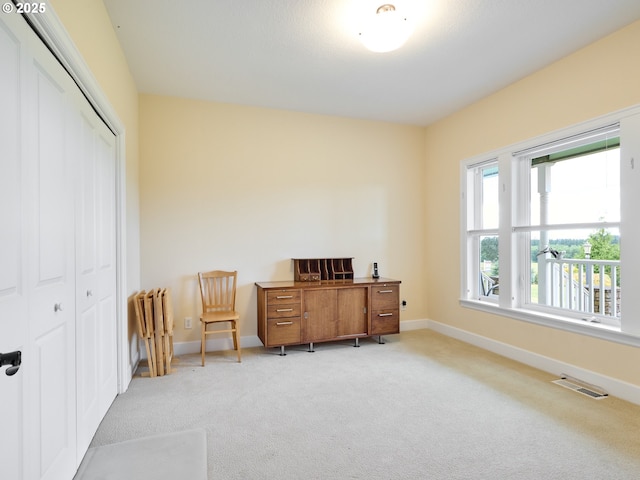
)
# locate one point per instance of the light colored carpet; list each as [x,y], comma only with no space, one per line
[168,456]
[422,406]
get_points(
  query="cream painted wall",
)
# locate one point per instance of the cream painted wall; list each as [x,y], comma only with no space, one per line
[243,188]
[88,24]
[599,79]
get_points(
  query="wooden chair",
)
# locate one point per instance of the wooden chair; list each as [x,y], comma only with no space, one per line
[218,292]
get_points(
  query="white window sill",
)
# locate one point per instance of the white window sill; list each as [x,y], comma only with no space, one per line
[597,330]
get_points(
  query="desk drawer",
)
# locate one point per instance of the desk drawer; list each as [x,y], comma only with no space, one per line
[385,322]
[283,296]
[283,310]
[385,297]
[284,331]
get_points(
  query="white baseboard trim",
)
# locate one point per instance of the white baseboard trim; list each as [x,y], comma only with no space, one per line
[613,386]
[213,345]
[407,325]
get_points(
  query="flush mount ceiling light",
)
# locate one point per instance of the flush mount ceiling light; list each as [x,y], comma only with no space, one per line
[385,31]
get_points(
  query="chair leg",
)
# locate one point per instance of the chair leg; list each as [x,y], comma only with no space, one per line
[234,329]
[203,341]
[236,341]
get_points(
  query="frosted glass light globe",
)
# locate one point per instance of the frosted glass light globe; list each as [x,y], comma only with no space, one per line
[387,30]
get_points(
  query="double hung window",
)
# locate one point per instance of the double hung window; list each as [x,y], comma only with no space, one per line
[543,224]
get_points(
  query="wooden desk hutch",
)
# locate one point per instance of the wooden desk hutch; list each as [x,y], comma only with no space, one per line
[325,303]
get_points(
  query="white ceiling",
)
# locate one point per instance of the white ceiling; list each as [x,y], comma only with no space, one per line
[305,55]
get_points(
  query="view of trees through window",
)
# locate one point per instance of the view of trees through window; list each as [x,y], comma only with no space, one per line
[604,246]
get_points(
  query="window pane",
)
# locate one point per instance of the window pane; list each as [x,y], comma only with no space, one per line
[489,279]
[576,190]
[489,188]
[577,270]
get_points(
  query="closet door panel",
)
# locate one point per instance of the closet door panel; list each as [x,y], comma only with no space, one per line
[13,299]
[106,354]
[10,156]
[86,206]
[88,400]
[87,334]
[107,364]
[52,276]
[96,277]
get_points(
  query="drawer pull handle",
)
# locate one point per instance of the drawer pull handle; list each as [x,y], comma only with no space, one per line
[284,310]
[385,314]
[284,323]
[385,291]
[282,297]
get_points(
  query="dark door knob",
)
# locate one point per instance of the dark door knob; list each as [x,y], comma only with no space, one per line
[14,359]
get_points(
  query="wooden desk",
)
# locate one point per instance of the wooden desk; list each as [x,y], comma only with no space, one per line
[295,313]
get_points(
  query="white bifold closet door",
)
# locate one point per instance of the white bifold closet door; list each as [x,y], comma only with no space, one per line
[96,274]
[57,254]
[13,216]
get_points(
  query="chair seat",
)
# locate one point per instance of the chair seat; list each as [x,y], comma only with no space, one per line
[210,317]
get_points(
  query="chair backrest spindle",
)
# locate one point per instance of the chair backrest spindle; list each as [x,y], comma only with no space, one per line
[218,290]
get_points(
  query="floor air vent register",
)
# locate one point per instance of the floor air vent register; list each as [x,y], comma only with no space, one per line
[581,387]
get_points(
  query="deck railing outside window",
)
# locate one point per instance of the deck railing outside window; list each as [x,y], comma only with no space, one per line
[590,286]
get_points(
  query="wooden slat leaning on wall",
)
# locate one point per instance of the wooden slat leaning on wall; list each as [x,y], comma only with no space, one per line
[154,322]
[167,306]
[143,331]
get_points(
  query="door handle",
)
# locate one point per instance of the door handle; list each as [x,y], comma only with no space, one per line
[14,359]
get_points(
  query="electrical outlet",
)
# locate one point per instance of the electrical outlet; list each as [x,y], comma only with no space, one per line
[187,322]
[404,304]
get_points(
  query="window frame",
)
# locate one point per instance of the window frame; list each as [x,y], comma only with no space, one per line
[473,226]
[524,226]
[514,195]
